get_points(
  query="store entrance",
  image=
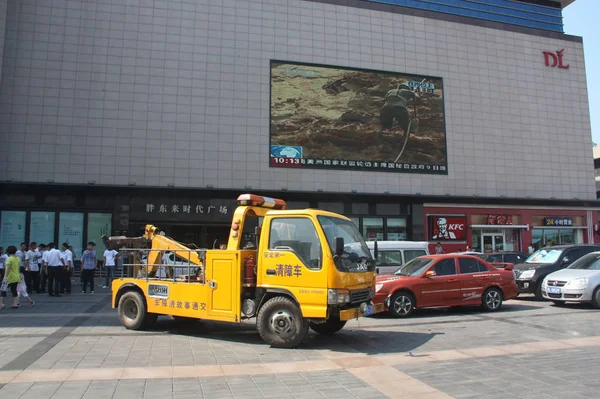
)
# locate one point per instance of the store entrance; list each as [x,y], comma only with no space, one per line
[202,236]
[493,242]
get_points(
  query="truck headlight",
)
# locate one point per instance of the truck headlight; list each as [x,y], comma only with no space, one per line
[337,297]
[378,287]
[527,274]
[581,282]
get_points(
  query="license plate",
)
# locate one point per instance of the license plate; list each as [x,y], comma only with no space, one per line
[369,311]
[553,290]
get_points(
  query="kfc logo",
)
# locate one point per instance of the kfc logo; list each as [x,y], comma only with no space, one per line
[448,228]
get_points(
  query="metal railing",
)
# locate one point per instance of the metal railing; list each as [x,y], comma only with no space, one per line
[172,265]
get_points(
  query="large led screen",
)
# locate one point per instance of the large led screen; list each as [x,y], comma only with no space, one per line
[355,119]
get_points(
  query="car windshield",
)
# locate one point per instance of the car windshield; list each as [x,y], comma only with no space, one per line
[414,268]
[356,256]
[588,262]
[545,255]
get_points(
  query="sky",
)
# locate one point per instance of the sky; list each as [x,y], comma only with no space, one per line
[581,19]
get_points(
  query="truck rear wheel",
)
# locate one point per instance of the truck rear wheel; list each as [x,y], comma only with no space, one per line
[133,313]
[280,323]
[328,327]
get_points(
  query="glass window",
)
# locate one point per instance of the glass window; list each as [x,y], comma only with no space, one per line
[551,237]
[494,258]
[396,229]
[445,267]
[476,238]
[356,222]
[356,255]
[513,258]
[588,262]
[297,235]
[12,231]
[410,254]
[389,258]
[41,227]
[414,268]
[372,229]
[99,224]
[468,265]
[567,236]
[360,209]
[70,230]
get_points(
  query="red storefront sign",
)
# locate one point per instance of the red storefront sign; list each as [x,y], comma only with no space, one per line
[448,228]
[555,59]
[499,220]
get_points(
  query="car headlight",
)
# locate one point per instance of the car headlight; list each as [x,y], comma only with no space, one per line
[378,287]
[577,283]
[336,297]
[527,274]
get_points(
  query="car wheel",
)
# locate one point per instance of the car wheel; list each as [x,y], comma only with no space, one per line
[402,304]
[596,298]
[280,323]
[538,292]
[559,303]
[492,299]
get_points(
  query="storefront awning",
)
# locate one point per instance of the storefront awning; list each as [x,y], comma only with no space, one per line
[499,226]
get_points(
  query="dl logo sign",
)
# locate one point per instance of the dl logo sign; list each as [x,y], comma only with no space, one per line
[555,59]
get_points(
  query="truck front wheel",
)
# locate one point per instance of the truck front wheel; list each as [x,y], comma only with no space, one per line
[280,323]
[328,327]
[133,313]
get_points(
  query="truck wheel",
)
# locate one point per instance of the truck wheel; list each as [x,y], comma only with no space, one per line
[328,327]
[402,304]
[280,323]
[132,312]
[492,299]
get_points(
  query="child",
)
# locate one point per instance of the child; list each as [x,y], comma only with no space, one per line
[22,287]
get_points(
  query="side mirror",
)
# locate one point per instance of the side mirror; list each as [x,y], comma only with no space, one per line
[566,260]
[430,273]
[339,246]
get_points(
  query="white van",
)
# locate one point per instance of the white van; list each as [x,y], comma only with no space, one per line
[393,254]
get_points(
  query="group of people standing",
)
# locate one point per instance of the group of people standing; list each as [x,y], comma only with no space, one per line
[32,268]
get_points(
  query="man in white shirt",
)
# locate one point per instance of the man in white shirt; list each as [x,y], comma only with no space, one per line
[21,253]
[32,270]
[56,267]
[67,258]
[110,257]
[43,268]
[3,258]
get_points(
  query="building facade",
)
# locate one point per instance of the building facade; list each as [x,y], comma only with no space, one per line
[116,115]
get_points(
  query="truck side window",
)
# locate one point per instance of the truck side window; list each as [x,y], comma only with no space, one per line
[297,235]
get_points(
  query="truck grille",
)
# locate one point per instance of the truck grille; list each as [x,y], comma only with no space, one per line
[556,283]
[358,296]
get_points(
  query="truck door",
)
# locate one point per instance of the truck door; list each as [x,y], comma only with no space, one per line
[292,261]
[223,282]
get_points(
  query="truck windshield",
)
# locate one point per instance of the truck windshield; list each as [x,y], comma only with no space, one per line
[356,256]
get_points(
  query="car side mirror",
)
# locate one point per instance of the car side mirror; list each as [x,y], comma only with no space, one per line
[339,246]
[566,260]
[430,273]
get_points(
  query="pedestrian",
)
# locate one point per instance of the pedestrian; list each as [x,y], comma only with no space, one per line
[439,249]
[469,249]
[3,258]
[530,249]
[11,277]
[22,288]
[56,269]
[21,252]
[42,277]
[89,262]
[110,257]
[67,257]
[32,270]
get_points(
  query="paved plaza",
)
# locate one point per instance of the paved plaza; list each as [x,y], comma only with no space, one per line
[74,347]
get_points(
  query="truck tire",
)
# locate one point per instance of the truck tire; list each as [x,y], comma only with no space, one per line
[133,313]
[280,323]
[328,327]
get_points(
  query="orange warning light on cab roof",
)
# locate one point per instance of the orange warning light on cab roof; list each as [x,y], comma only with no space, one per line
[260,201]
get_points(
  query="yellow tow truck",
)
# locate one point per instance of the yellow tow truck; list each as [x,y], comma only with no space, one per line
[289,269]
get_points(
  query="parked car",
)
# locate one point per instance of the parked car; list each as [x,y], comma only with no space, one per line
[393,254]
[579,282]
[514,257]
[445,280]
[542,262]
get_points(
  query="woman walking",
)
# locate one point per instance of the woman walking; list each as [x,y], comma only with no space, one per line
[12,277]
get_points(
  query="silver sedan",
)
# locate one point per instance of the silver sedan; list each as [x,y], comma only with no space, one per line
[579,282]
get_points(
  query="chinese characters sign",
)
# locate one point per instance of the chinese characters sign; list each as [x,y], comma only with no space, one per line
[173,304]
[558,222]
[447,228]
[182,209]
[499,220]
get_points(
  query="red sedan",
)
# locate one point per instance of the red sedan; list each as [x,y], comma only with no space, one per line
[445,280]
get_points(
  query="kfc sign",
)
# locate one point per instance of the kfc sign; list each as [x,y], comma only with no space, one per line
[448,228]
[555,59]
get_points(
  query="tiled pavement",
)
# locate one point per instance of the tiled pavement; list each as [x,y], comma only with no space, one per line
[73,347]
